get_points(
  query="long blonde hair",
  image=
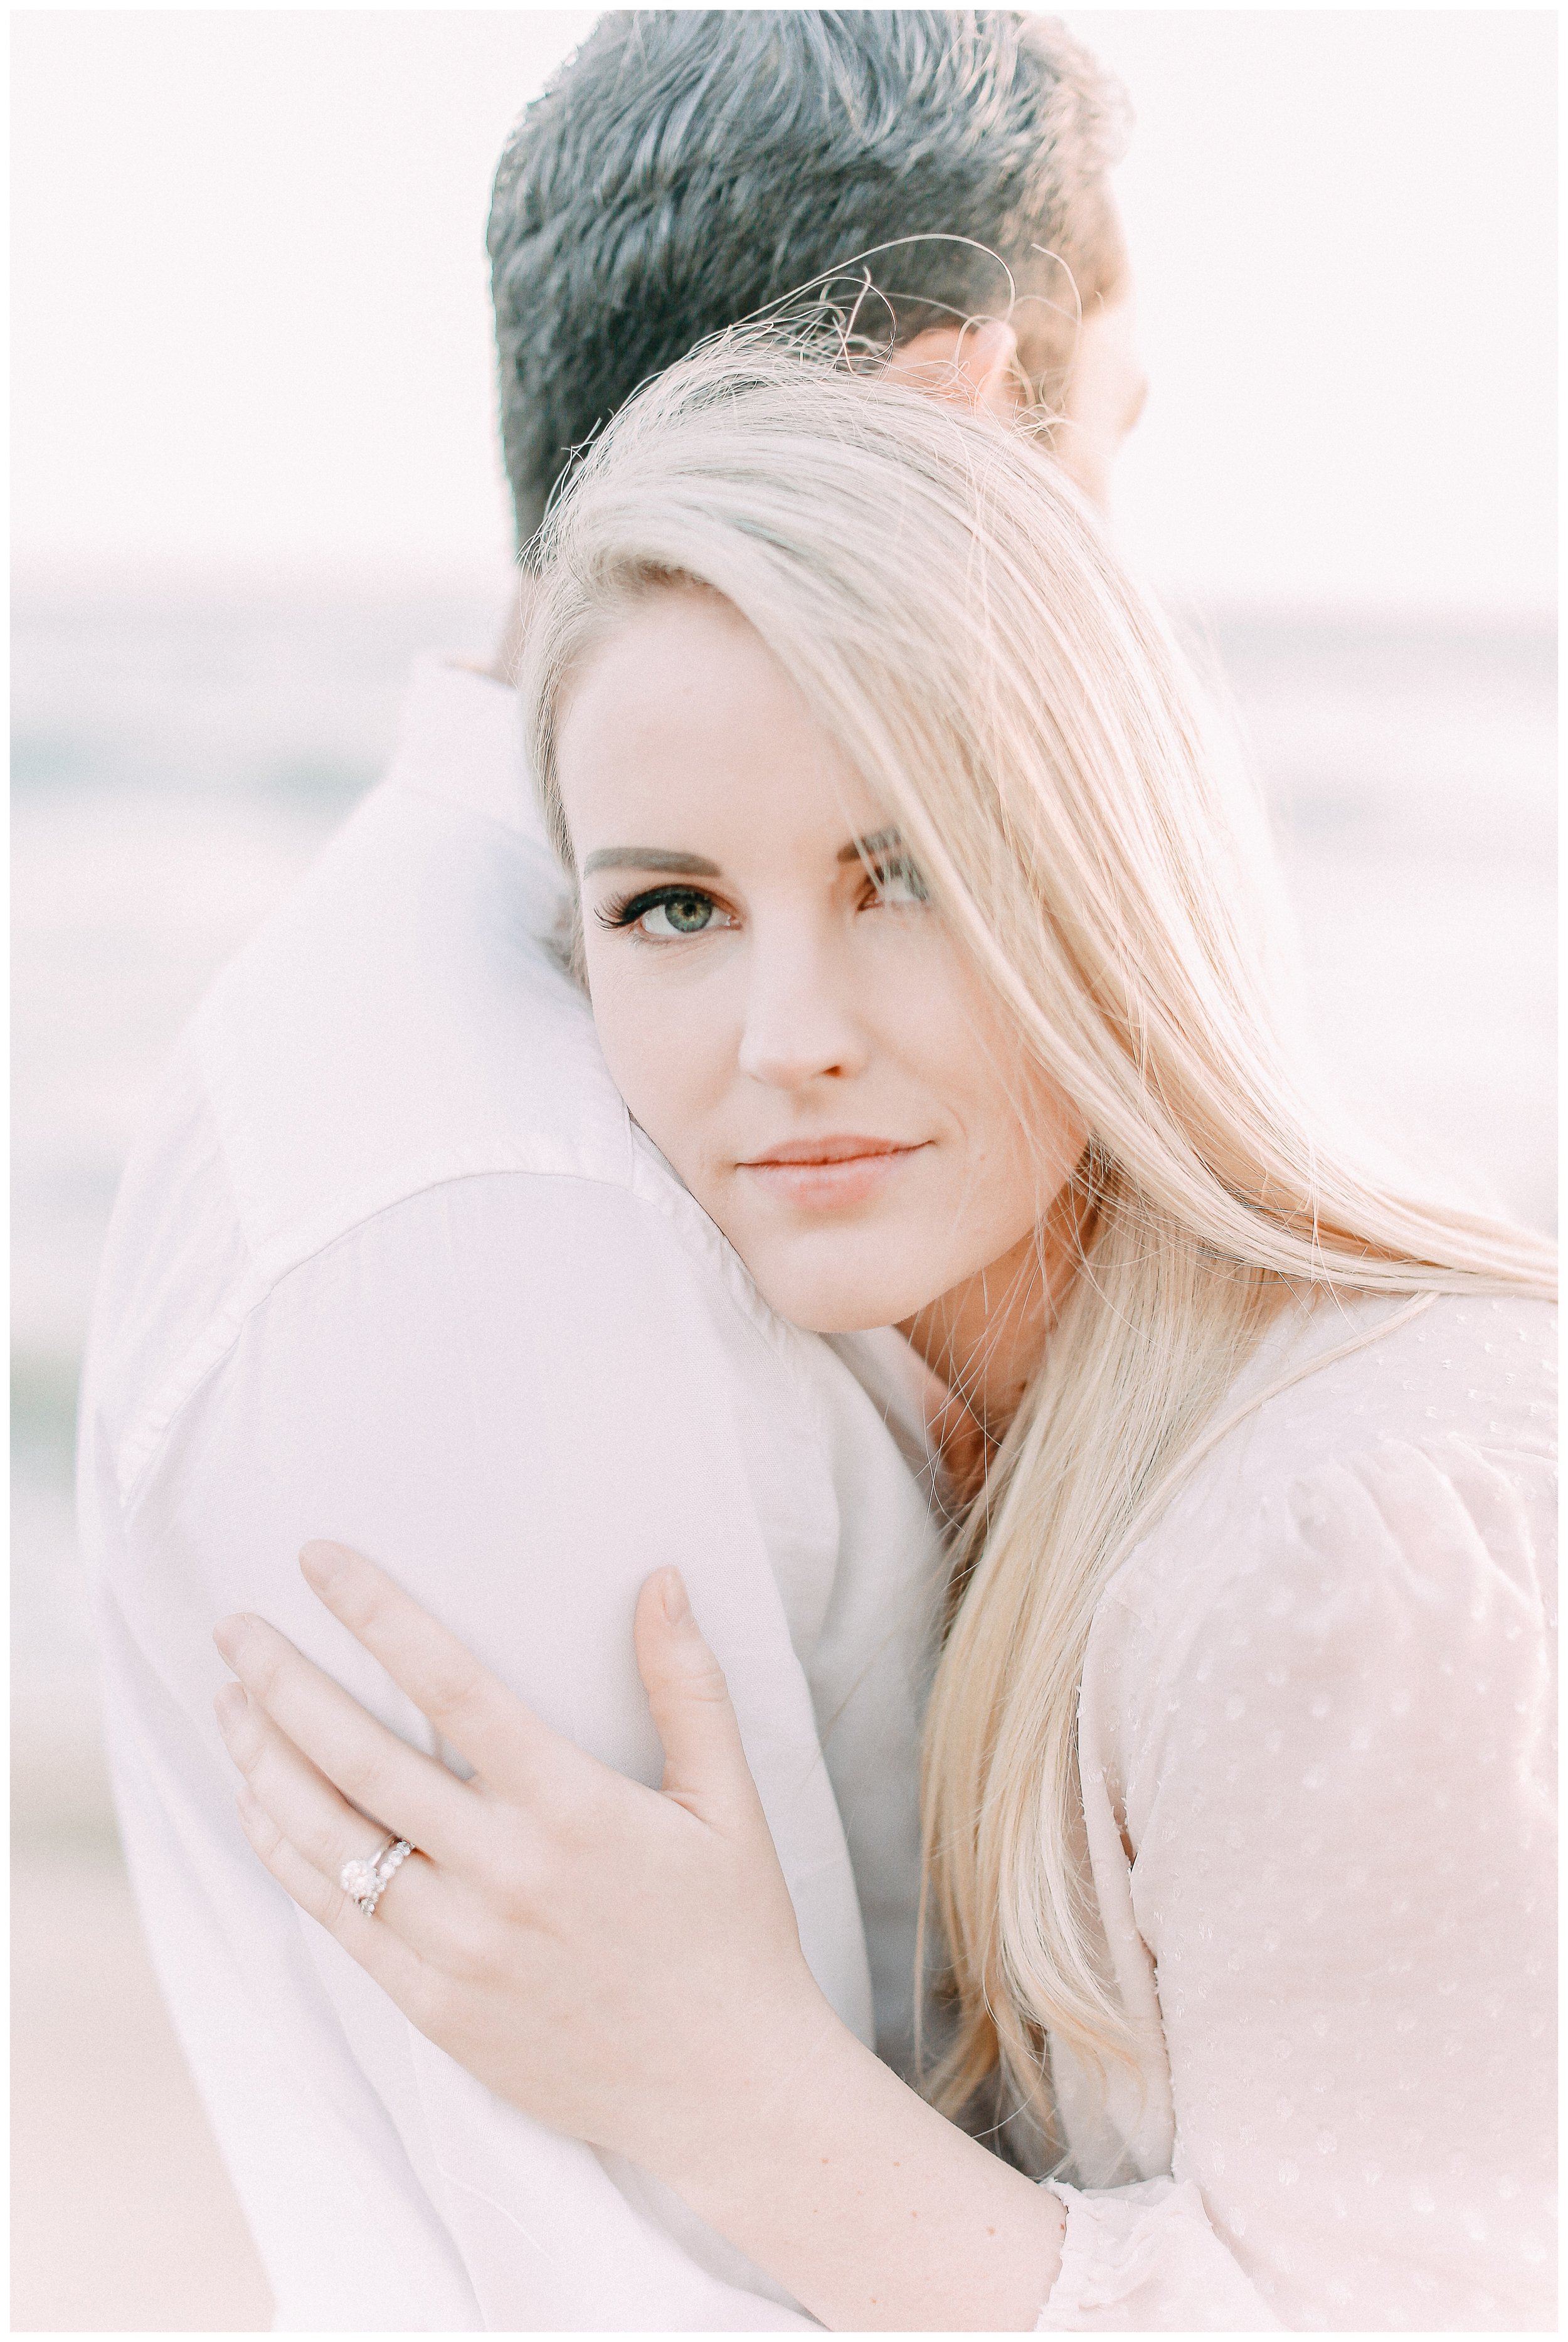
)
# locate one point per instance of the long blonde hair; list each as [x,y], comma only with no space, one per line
[953,613]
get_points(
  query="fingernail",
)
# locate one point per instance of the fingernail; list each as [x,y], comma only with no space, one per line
[226,1635]
[229,1707]
[672,1594]
[322,1561]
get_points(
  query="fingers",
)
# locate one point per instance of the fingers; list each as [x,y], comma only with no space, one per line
[705,1766]
[468,1706]
[378,1949]
[372,1767]
[307,1811]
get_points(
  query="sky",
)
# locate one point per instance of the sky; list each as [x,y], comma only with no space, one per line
[251,325]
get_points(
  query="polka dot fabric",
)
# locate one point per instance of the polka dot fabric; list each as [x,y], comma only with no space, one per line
[1316,1748]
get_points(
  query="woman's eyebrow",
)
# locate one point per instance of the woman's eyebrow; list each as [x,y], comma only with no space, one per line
[650,857]
[866,849]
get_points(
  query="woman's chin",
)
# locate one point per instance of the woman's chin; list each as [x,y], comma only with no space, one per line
[822,1299]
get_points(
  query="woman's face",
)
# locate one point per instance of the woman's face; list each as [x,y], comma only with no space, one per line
[787,1017]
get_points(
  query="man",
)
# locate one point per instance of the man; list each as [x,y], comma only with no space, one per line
[391,1265]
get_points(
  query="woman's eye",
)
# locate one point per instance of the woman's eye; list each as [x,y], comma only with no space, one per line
[666,913]
[678,915]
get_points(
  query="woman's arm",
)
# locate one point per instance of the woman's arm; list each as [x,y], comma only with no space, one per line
[624,1963]
[874,2211]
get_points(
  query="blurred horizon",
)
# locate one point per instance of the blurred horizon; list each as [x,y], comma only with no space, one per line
[127,586]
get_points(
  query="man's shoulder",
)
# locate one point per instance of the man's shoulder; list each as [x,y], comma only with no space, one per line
[401,1025]
[404,1017]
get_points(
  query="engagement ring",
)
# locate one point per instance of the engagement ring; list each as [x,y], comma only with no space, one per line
[364,1883]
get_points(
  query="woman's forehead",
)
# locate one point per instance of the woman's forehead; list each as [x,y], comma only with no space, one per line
[685,726]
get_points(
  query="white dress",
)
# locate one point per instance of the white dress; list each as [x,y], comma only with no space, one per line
[1316,1751]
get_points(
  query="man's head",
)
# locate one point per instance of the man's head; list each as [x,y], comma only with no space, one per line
[688,167]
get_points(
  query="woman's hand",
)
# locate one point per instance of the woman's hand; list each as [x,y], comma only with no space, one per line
[621,1963]
[624,1963]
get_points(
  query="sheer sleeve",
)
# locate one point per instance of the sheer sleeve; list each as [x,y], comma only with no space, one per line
[1143,2259]
[1317,1775]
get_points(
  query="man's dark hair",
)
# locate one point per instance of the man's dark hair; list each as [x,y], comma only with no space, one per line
[688,167]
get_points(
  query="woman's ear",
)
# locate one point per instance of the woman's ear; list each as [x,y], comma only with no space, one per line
[974,363]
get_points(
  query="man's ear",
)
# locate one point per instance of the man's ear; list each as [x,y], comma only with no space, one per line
[975,363]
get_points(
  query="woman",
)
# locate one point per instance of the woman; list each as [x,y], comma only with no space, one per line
[920,941]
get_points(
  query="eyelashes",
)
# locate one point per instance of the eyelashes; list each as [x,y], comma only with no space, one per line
[685,910]
[665,914]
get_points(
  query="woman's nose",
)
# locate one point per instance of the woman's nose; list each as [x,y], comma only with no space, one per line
[800,1024]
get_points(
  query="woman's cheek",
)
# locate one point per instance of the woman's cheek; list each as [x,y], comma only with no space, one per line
[1022,1137]
[932,1019]
[659,1055]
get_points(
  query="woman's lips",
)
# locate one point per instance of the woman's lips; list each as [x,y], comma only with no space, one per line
[827,1172]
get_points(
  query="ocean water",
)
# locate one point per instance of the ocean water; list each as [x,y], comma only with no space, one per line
[178,764]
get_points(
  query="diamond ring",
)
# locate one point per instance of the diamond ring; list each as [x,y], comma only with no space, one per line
[364,1883]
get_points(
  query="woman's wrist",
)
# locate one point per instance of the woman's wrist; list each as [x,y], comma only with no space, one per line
[774,2090]
[874,2211]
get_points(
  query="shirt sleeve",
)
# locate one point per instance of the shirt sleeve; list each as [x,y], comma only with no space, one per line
[1333,1777]
[519,1393]
[1144,2260]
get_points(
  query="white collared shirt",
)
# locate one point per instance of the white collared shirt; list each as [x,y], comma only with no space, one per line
[392,1265]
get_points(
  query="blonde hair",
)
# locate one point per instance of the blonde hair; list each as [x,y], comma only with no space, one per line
[950,608]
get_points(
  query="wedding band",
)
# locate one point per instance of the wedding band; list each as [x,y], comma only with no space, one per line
[386,1868]
[364,1883]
